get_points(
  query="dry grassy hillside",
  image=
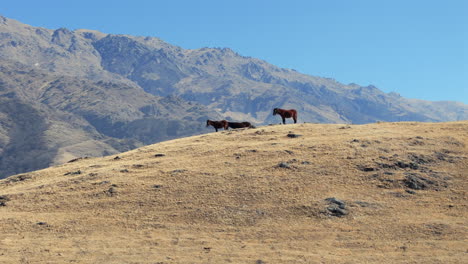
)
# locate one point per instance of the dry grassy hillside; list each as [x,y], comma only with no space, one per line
[251,196]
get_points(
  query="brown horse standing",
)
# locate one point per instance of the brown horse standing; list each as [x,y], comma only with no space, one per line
[234,125]
[291,113]
[217,124]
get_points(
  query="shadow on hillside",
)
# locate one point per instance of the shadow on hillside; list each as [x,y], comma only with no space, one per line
[26,149]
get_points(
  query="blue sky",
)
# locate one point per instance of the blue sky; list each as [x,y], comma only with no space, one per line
[416,48]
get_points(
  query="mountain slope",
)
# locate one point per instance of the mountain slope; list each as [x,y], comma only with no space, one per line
[49,119]
[58,103]
[377,193]
[248,88]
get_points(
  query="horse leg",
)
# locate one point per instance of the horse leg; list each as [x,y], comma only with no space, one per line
[216,129]
[284,120]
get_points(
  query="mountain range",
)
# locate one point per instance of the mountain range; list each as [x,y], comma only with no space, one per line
[73,93]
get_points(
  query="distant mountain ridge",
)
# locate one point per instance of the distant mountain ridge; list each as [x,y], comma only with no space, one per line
[66,94]
[248,88]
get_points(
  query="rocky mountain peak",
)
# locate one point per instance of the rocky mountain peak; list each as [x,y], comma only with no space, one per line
[63,37]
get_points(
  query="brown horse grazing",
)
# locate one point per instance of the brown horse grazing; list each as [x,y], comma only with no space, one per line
[217,124]
[235,125]
[291,113]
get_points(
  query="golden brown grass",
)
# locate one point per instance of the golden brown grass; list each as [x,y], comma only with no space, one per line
[222,198]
